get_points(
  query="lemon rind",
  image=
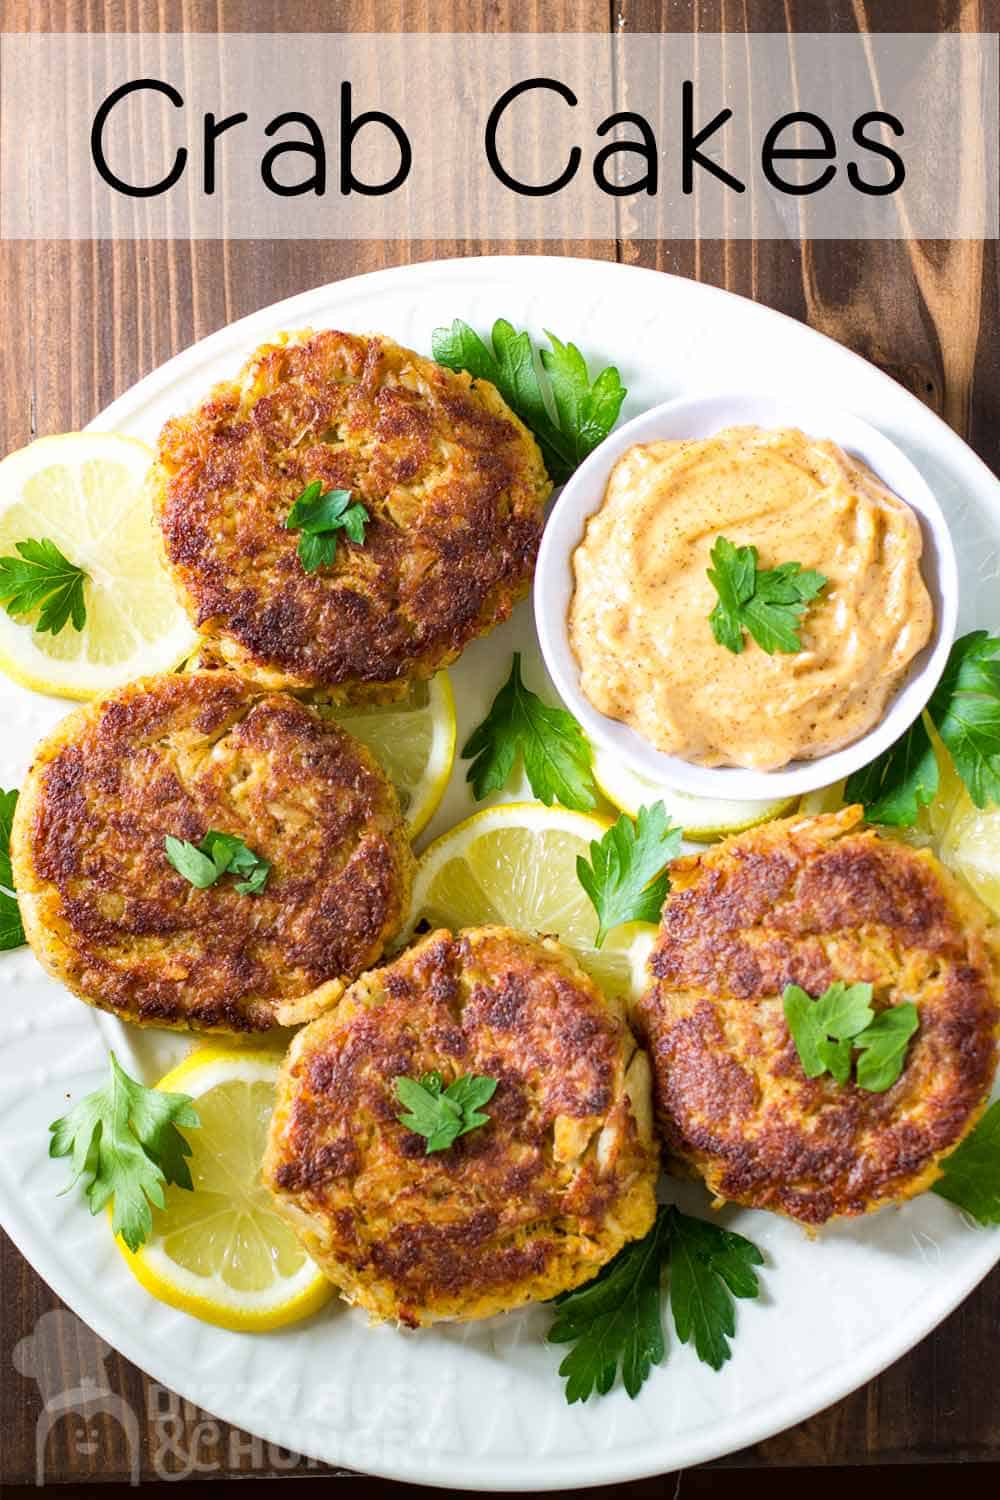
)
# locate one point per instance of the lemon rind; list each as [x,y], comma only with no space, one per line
[208,1298]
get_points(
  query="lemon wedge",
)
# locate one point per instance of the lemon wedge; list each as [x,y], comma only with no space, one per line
[515,865]
[221,1253]
[414,742]
[703,819]
[85,492]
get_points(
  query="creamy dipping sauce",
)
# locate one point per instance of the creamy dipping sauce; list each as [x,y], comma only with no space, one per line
[638,619]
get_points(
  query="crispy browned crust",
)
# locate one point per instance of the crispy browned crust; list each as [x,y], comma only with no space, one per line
[453,481]
[108,915]
[807,901]
[518,1210]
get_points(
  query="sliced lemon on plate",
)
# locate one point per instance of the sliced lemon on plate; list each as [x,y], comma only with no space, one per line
[413,740]
[703,819]
[965,837]
[221,1252]
[515,865]
[826,799]
[85,492]
[970,844]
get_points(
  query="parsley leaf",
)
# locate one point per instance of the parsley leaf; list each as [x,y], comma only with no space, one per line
[124,1139]
[586,412]
[971,1174]
[899,782]
[443,1114]
[822,1029]
[626,879]
[769,603]
[965,710]
[205,863]
[189,860]
[320,516]
[556,753]
[11,929]
[828,1031]
[41,575]
[709,1266]
[8,802]
[578,414]
[883,1046]
[615,1321]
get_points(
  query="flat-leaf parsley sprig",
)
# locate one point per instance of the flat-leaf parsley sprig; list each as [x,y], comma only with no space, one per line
[767,602]
[124,1142]
[218,854]
[555,751]
[320,516]
[616,1321]
[442,1114]
[42,576]
[965,710]
[971,1174]
[11,929]
[576,415]
[828,1031]
[626,878]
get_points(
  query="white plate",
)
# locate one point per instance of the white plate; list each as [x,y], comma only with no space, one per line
[701,416]
[482,1406]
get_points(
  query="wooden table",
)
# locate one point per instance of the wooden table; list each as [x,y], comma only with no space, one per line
[82,322]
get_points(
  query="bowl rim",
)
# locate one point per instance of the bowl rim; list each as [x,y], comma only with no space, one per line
[582,496]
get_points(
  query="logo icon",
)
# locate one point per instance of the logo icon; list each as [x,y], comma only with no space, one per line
[67,1362]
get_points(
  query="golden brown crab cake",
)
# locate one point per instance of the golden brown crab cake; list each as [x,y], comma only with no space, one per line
[107,913]
[453,482]
[808,901]
[528,1205]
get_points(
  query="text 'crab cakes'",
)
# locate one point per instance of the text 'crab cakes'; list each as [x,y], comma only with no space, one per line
[453,482]
[806,902]
[108,914]
[517,1210]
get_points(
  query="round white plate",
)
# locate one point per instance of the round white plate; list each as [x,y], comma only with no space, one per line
[482,1406]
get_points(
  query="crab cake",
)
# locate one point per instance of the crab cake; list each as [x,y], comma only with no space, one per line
[107,913]
[452,481]
[528,1205]
[809,901]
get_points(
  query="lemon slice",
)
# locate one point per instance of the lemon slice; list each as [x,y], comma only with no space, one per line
[703,819]
[965,837]
[221,1252]
[970,844]
[414,742]
[85,492]
[825,799]
[515,865]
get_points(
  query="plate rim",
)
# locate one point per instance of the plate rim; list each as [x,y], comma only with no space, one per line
[471,1470]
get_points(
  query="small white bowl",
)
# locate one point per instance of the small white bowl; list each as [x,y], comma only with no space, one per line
[698,417]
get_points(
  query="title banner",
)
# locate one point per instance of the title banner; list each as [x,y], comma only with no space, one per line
[582,136]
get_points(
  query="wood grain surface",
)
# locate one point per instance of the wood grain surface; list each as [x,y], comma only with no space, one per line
[82,322]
